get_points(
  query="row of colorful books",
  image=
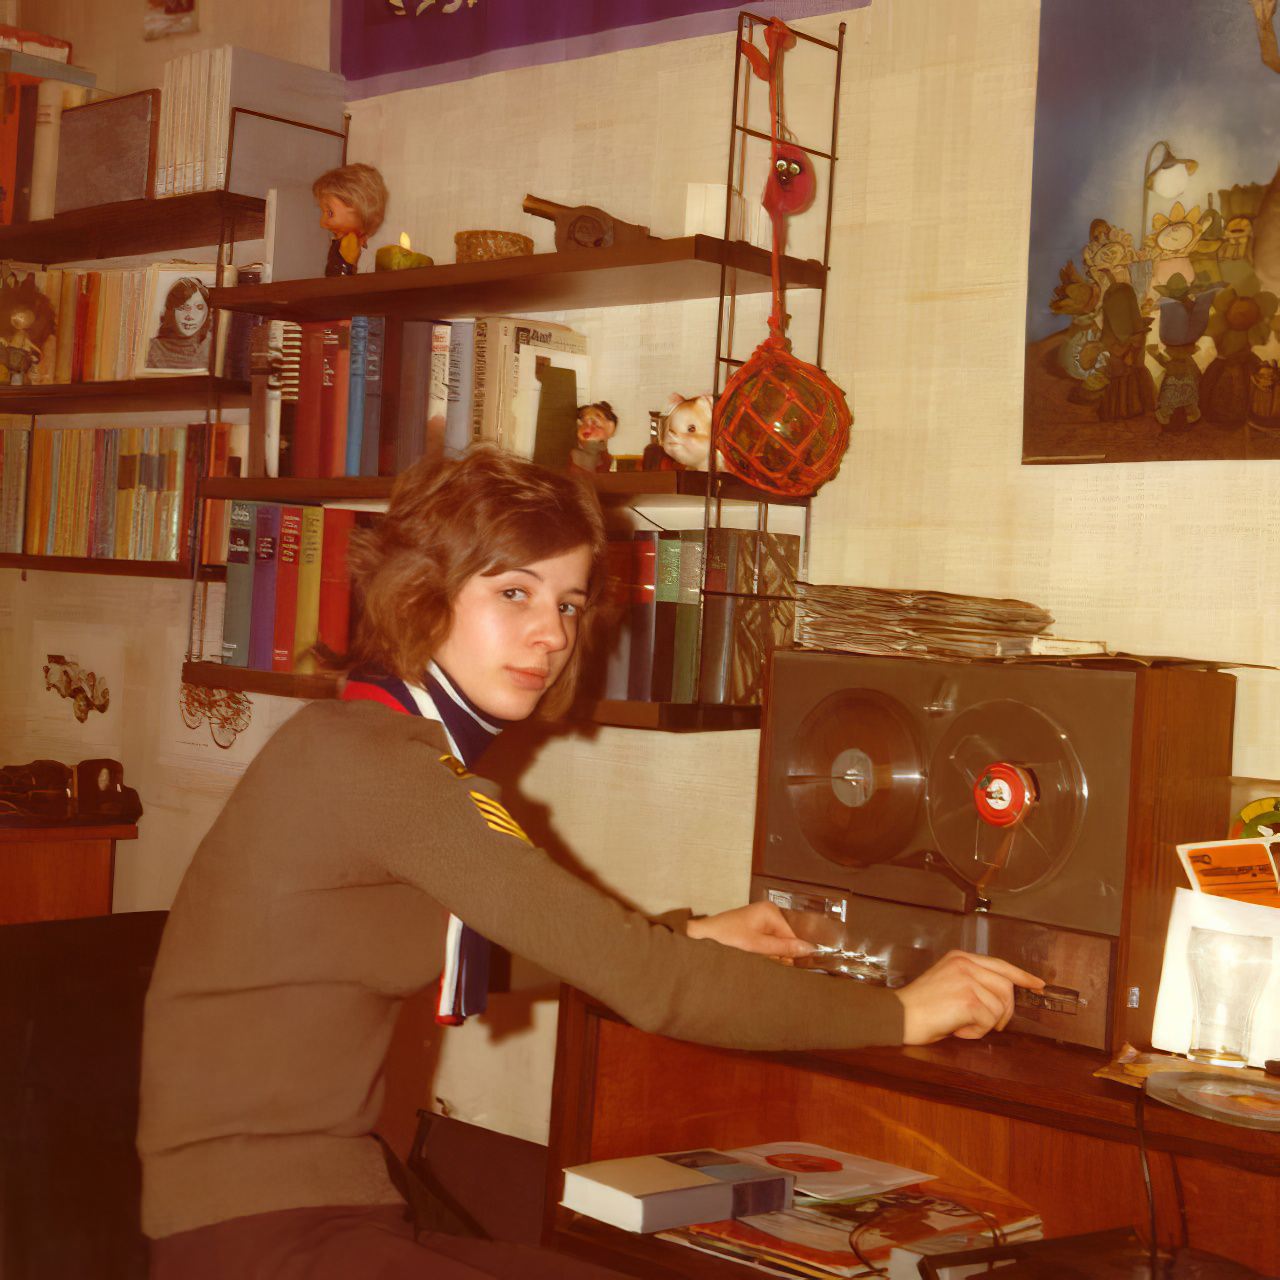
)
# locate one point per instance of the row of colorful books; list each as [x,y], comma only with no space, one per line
[115,323]
[288,592]
[372,395]
[106,492]
[28,134]
[684,634]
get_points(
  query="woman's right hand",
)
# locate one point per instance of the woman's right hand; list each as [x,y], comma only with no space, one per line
[962,994]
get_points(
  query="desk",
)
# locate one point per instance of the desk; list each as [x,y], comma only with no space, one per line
[1022,1112]
[58,873]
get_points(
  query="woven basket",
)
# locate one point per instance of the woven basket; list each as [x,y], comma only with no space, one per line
[486,246]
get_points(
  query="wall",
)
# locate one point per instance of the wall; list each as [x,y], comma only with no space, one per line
[924,329]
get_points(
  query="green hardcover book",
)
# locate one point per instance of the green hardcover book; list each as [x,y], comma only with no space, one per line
[688,616]
[307,626]
[239,606]
[666,592]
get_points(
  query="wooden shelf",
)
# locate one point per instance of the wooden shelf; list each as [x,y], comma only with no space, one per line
[108,568]
[135,227]
[218,675]
[653,270]
[297,488]
[629,715]
[133,396]
[613,487]
[671,716]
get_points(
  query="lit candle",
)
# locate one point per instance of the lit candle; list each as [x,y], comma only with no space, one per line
[399,257]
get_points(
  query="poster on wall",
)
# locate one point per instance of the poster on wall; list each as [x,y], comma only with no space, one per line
[1152,327]
[387,45]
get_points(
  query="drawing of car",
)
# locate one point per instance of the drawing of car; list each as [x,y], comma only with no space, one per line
[70,680]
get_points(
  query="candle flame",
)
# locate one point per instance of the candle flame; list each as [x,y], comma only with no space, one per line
[404,239]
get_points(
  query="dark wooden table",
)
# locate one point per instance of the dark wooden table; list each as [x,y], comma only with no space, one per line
[1020,1111]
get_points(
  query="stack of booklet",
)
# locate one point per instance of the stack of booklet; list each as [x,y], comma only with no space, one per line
[852,1217]
[927,624]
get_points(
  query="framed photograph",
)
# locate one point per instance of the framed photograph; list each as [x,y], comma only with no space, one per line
[179,327]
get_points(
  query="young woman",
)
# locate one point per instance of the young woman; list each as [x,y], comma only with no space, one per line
[329,888]
[182,340]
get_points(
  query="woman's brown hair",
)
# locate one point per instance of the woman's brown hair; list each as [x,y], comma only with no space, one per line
[485,512]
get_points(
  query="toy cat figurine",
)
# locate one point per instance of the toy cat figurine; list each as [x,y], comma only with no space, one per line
[686,431]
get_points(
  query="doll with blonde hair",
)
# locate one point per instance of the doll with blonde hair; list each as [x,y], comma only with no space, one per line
[353,202]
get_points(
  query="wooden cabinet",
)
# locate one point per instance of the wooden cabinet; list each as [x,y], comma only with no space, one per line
[57,873]
[1023,1113]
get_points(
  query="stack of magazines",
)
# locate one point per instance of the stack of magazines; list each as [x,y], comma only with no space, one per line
[885,1232]
[927,624]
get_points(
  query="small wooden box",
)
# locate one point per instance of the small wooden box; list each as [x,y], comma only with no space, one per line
[107,151]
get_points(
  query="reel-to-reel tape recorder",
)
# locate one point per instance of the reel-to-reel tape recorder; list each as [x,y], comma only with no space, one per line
[1026,810]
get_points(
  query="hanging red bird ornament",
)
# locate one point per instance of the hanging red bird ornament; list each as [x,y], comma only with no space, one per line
[781,424]
[792,183]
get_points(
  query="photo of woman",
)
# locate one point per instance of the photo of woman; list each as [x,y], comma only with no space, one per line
[181,326]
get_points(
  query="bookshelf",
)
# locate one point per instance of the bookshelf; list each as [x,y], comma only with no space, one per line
[653,270]
[180,569]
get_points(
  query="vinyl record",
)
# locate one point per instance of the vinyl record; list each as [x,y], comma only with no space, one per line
[854,777]
[1242,1100]
[1006,796]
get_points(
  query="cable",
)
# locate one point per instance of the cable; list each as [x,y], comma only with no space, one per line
[1182,1201]
[1139,1113]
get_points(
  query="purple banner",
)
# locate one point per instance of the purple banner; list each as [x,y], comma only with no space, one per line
[386,45]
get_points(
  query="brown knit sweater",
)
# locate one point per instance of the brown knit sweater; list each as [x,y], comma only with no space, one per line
[319,900]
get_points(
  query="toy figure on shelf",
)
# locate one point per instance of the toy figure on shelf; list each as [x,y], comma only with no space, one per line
[26,322]
[596,425]
[353,202]
[686,432]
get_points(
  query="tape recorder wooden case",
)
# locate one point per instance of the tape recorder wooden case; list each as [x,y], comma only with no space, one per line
[1025,810]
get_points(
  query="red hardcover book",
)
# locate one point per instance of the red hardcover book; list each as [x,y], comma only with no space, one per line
[328,395]
[193,458]
[286,588]
[84,286]
[336,464]
[644,605]
[306,430]
[335,582]
[389,425]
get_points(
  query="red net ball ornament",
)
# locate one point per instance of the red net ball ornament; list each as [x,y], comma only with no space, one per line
[780,424]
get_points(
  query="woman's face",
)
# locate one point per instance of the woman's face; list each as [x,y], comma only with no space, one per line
[513,632]
[190,315]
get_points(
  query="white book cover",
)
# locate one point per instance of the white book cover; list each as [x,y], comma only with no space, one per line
[498,340]
[217,111]
[268,151]
[457,424]
[200,118]
[181,95]
[164,137]
[44,154]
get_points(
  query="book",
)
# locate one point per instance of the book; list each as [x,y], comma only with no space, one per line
[334,620]
[665,594]
[406,415]
[337,459]
[306,450]
[287,572]
[748,611]
[819,1238]
[619,569]
[642,613]
[371,427]
[684,670]
[15,444]
[266,555]
[496,376]
[457,419]
[438,389]
[241,525]
[307,613]
[657,1192]
[358,359]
